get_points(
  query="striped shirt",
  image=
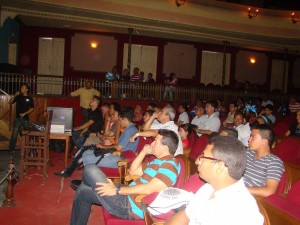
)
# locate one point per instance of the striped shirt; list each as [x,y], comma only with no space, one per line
[259,170]
[165,169]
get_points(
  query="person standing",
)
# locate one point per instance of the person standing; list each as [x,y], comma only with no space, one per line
[171,83]
[24,106]
[86,95]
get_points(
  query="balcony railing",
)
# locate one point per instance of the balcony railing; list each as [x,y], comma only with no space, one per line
[55,85]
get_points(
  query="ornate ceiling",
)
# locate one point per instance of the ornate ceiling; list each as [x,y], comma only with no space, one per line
[205,21]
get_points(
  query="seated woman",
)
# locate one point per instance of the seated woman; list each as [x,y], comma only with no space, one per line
[295,129]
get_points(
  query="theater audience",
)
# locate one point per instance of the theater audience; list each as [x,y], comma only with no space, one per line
[199,118]
[166,121]
[224,199]
[242,128]
[295,128]
[294,104]
[155,176]
[264,170]
[183,116]
[268,113]
[230,117]
[184,131]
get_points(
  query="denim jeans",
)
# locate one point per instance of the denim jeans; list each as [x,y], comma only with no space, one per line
[17,125]
[109,161]
[86,195]
[79,140]
[169,90]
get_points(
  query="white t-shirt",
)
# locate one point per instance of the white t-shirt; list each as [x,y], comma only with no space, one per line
[199,121]
[233,205]
[244,132]
[211,123]
[170,126]
[184,117]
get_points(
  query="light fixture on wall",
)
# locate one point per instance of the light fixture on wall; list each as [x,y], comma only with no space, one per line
[252,60]
[293,18]
[252,13]
[180,2]
[94,44]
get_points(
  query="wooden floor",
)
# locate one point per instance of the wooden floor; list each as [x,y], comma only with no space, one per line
[5,134]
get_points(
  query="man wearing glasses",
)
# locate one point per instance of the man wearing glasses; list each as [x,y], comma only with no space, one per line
[224,199]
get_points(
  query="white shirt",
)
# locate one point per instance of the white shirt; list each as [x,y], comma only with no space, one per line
[233,205]
[211,123]
[244,132]
[184,117]
[199,121]
[170,126]
[229,118]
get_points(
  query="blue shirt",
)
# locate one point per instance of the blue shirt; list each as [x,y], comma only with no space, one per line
[125,137]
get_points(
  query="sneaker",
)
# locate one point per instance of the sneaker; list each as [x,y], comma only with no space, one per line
[63,173]
[75,184]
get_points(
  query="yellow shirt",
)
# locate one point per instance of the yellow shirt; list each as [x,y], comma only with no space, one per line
[86,96]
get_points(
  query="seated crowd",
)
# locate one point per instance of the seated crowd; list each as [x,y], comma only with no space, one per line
[236,163]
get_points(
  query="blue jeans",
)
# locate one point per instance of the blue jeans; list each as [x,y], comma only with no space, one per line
[17,125]
[109,161]
[79,140]
[86,195]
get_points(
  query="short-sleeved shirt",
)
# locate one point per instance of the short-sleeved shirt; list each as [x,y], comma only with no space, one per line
[97,117]
[23,104]
[165,169]
[232,205]
[173,127]
[86,96]
[199,121]
[124,139]
[259,170]
[184,117]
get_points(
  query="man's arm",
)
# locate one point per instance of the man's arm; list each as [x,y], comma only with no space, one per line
[136,165]
[85,125]
[269,189]
[148,123]
[12,100]
[27,112]
[146,133]
[179,218]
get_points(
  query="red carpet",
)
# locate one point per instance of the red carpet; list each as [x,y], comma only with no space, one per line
[48,204]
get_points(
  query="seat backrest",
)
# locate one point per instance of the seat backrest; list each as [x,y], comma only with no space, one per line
[285,182]
[280,128]
[294,193]
[263,211]
[182,175]
[198,146]
[289,150]
[193,183]
[142,142]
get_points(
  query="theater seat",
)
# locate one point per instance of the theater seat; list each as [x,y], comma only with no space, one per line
[289,150]
[198,146]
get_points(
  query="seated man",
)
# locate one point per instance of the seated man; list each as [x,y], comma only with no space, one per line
[88,156]
[93,125]
[211,123]
[224,199]
[166,121]
[120,201]
[264,170]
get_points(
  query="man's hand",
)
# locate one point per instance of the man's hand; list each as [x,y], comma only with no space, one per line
[99,145]
[93,135]
[147,149]
[76,129]
[17,93]
[155,115]
[106,189]
[22,115]
[132,139]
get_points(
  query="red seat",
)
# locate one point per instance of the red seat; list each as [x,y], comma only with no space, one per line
[193,183]
[198,146]
[289,150]
[280,128]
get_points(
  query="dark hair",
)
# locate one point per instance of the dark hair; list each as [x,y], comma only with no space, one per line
[213,103]
[185,106]
[187,127]
[106,104]
[234,103]
[232,152]
[26,85]
[266,132]
[239,113]
[270,107]
[149,111]
[170,139]
[232,132]
[126,113]
[116,106]
[152,104]
[98,99]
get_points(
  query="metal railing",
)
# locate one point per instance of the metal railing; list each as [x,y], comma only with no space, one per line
[57,85]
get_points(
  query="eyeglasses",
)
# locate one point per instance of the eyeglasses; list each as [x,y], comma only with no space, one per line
[201,157]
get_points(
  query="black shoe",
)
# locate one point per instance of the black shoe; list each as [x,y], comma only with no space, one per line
[63,173]
[75,184]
